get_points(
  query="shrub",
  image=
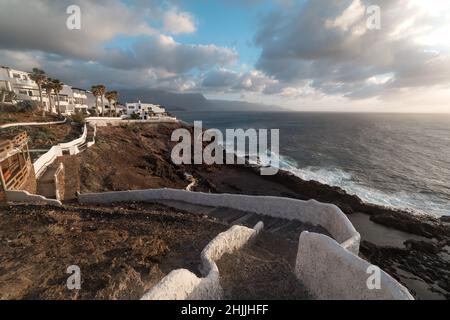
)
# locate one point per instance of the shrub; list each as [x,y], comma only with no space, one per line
[44,134]
[79,117]
[135,116]
[26,106]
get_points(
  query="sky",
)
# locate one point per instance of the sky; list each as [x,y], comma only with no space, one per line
[318,55]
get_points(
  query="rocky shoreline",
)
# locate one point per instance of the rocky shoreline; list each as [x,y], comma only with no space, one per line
[421,265]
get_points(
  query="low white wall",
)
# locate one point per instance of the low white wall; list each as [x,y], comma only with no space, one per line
[72,146]
[333,273]
[26,197]
[31,124]
[103,121]
[326,215]
[184,285]
[329,269]
[47,159]
[91,143]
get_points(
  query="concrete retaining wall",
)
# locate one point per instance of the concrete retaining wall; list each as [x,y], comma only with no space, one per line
[184,285]
[328,216]
[103,121]
[47,159]
[72,146]
[91,143]
[26,197]
[333,273]
[31,124]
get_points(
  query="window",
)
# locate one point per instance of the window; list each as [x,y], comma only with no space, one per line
[16,75]
[30,93]
[25,92]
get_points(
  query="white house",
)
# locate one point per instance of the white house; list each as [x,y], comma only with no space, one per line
[80,100]
[145,110]
[70,99]
[65,101]
[20,83]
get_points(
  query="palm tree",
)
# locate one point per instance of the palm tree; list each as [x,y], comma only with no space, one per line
[39,77]
[49,87]
[112,96]
[96,92]
[58,86]
[102,90]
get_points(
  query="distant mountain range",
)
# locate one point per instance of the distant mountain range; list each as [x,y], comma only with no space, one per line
[190,101]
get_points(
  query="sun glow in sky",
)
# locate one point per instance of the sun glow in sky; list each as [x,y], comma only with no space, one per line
[439,10]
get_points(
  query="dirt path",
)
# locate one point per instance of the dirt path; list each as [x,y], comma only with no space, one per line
[262,271]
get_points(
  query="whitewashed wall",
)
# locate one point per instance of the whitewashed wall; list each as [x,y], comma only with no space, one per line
[31,124]
[184,285]
[329,269]
[91,143]
[47,159]
[103,121]
[328,216]
[26,197]
[332,273]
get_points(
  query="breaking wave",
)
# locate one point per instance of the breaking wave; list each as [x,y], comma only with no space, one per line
[339,178]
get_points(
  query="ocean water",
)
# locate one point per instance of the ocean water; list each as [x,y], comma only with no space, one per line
[395,160]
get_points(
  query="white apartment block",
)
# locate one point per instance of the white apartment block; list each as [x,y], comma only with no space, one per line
[20,83]
[80,100]
[71,99]
[145,110]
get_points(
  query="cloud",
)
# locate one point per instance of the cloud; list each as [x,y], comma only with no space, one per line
[232,81]
[163,52]
[41,25]
[179,22]
[307,50]
[34,33]
[328,44]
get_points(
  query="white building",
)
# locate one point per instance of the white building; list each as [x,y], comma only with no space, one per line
[145,110]
[80,100]
[20,83]
[25,89]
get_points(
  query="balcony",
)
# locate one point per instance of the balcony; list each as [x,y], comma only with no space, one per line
[22,82]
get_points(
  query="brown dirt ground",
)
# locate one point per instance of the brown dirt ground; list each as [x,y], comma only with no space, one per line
[122,251]
[139,157]
[44,137]
[129,158]
[35,116]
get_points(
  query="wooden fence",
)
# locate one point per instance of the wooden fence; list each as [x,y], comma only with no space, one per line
[15,162]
